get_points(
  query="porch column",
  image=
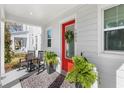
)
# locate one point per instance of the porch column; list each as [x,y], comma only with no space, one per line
[2,69]
[2,72]
[28,42]
[0,55]
[39,42]
[2,18]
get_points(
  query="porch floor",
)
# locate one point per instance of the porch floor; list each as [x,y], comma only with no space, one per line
[11,79]
[24,79]
[18,85]
[45,80]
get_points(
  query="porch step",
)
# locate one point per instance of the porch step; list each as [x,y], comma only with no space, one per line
[11,84]
[12,77]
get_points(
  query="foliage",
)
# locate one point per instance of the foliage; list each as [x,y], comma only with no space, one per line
[12,65]
[7,42]
[82,72]
[14,61]
[69,36]
[19,55]
[50,57]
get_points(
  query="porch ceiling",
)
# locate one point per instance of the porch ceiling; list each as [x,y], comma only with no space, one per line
[35,13]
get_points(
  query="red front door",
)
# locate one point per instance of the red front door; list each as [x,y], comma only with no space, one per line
[67,48]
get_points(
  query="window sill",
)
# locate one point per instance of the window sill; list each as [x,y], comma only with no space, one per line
[49,48]
[112,54]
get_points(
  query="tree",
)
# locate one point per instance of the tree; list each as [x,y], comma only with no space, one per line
[7,44]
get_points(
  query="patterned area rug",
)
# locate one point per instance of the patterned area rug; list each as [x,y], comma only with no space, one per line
[45,80]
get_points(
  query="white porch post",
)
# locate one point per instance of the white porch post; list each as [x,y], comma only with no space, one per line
[0,55]
[2,17]
[28,42]
[2,49]
[39,42]
[2,69]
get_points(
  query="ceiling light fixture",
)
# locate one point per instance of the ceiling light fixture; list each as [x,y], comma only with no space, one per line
[30,13]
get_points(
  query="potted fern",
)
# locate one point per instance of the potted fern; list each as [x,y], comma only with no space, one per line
[82,74]
[51,61]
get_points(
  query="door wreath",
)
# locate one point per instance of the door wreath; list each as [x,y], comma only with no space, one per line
[69,36]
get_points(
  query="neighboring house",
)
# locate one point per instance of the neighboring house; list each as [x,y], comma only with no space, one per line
[25,37]
[98,31]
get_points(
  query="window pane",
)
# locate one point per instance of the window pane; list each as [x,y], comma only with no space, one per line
[20,43]
[49,42]
[49,33]
[15,27]
[110,18]
[121,15]
[114,40]
[70,45]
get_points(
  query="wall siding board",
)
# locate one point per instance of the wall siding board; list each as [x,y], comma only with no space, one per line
[85,28]
[87,23]
[88,17]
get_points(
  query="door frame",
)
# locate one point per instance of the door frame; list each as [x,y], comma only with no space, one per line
[67,63]
[72,17]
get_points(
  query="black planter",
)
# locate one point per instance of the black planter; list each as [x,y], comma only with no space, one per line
[50,68]
[78,85]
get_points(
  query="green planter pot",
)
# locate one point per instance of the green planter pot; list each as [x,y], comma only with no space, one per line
[50,68]
[78,85]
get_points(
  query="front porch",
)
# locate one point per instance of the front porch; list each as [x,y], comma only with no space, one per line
[93,31]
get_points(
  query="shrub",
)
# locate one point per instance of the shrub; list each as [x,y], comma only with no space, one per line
[14,61]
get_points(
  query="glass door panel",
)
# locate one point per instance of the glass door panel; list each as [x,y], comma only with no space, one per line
[70,45]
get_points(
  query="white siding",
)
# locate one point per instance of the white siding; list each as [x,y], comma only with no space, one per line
[55,45]
[87,42]
[87,39]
